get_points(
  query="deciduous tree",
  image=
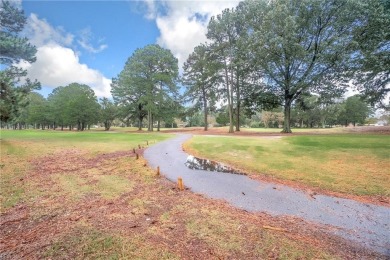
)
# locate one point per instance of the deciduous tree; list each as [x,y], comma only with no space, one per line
[300,45]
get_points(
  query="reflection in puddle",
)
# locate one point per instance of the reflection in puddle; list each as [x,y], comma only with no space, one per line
[195,163]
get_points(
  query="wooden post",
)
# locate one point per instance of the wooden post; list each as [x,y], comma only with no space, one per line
[147,143]
[158,170]
[180,184]
[136,156]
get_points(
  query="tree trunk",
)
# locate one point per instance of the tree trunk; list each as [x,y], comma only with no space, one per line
[107,125]
[231,130]
[287,112]
[140,123]
[238,116]
[238,104]
[150,121]
[158,125]
[205,109]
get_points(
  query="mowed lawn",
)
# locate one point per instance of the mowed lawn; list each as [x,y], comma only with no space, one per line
[84,195]
[347,163]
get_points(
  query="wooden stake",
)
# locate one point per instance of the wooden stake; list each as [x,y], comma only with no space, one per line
[136,156]
[147,143]
[158,170]
[180,184]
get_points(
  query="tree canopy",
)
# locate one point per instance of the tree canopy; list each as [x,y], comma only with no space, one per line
[13,49]
[74,105]
[147,81]
[200,77]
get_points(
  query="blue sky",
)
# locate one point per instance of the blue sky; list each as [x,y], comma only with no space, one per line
[89,41]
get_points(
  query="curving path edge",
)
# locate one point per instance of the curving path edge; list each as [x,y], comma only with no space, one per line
[366,224]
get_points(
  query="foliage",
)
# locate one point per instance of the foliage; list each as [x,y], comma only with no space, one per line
[299,46]
[147,81]
[222,32]
[355,110]
[74,105]
[272,118]
[222,117]
[372,75]
[108,112]
[13,49]
[200,78]
[38,110]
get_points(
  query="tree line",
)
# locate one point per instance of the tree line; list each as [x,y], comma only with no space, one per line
[290,56]
[263,55]
[310,113]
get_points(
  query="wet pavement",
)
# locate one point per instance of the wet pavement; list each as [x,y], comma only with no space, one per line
[366,224]
[195,163]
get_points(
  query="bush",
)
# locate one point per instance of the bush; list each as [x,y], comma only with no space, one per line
[256,125]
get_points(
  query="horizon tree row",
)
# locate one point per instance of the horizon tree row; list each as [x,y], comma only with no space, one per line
[71,106]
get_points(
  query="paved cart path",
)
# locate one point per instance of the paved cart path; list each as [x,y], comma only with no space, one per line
[366,224]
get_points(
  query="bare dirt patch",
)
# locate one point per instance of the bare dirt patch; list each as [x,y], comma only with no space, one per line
[151,219]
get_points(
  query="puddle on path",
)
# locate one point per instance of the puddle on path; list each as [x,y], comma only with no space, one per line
[195,163]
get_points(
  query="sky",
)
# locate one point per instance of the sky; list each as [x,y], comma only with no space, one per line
[88,42]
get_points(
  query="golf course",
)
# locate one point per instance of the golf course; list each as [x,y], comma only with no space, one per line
[67,194]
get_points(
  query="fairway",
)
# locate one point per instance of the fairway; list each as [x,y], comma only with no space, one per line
[84,195]
[345,163]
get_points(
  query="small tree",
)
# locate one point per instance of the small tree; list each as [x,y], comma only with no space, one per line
[108,112]
[356,110]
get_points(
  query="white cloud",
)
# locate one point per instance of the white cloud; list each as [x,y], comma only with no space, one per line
[183,24]
[85,41]
[40,32]
[180,36]
[60,66]
[57,63]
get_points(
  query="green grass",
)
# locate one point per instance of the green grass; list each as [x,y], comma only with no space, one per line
[119,140]
[346,163]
